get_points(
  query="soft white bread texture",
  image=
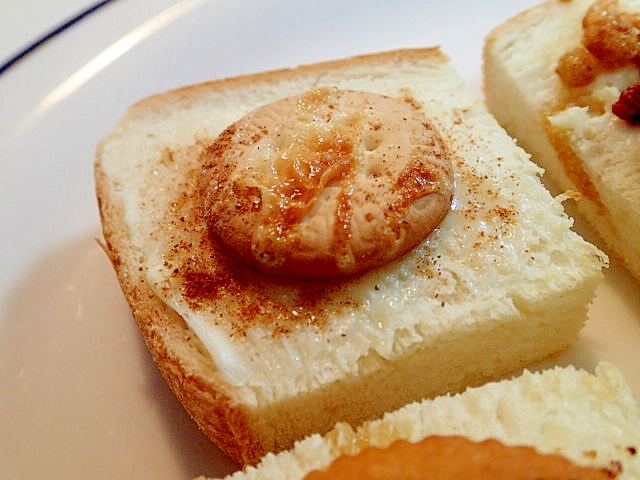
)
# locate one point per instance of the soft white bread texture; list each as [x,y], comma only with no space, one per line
[571,132]
[591,419]
[260,362]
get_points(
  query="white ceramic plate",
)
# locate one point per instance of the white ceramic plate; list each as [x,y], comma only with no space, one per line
[79,395]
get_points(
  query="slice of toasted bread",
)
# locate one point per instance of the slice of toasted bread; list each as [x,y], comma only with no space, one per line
[262,361]
[566,120]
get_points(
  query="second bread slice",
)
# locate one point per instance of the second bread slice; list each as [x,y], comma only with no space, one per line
[566,120]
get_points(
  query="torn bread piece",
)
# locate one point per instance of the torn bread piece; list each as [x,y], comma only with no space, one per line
[563,78]
[561,422]
[260,359]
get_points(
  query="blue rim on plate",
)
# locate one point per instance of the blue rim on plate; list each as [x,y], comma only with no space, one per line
[49,35]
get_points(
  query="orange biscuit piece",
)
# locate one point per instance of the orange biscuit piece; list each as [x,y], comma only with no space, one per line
[451,458]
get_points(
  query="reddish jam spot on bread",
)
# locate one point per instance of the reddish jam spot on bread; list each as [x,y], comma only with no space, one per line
[451,458]
[627,107]
[326,184]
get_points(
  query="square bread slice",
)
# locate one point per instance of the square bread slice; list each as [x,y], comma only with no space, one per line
[260,361]
[590,419]
[547,89]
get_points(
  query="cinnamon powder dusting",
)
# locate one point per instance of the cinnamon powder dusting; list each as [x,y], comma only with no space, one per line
[479,203]
[416,181]
[211,280]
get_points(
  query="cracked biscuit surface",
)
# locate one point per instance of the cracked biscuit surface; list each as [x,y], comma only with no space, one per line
[326,183]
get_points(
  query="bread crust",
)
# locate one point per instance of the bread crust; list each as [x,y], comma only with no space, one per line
[175,349]
[156,104]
